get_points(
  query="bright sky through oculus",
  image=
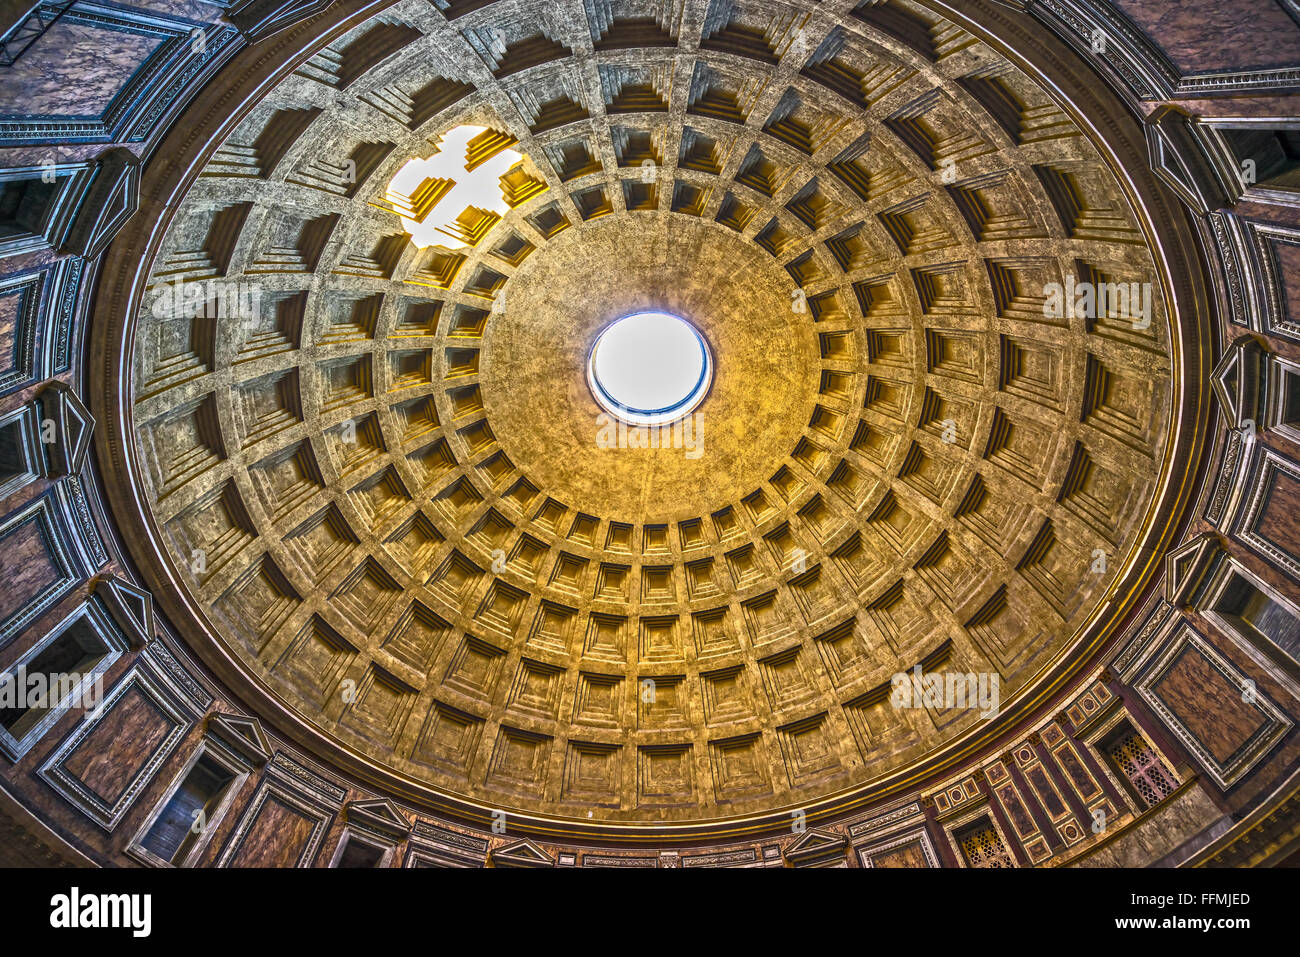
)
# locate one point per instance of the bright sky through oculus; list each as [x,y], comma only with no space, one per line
[650,368]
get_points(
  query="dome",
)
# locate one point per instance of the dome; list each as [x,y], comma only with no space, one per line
[650,425]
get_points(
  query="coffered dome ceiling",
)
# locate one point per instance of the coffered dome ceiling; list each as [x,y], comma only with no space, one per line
[383,498]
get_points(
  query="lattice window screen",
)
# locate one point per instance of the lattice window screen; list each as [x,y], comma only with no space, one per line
[1138,761]
[983,847]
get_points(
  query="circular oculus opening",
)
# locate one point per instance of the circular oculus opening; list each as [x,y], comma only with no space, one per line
[649,368]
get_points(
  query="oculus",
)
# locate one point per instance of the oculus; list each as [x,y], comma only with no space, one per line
[649,368]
